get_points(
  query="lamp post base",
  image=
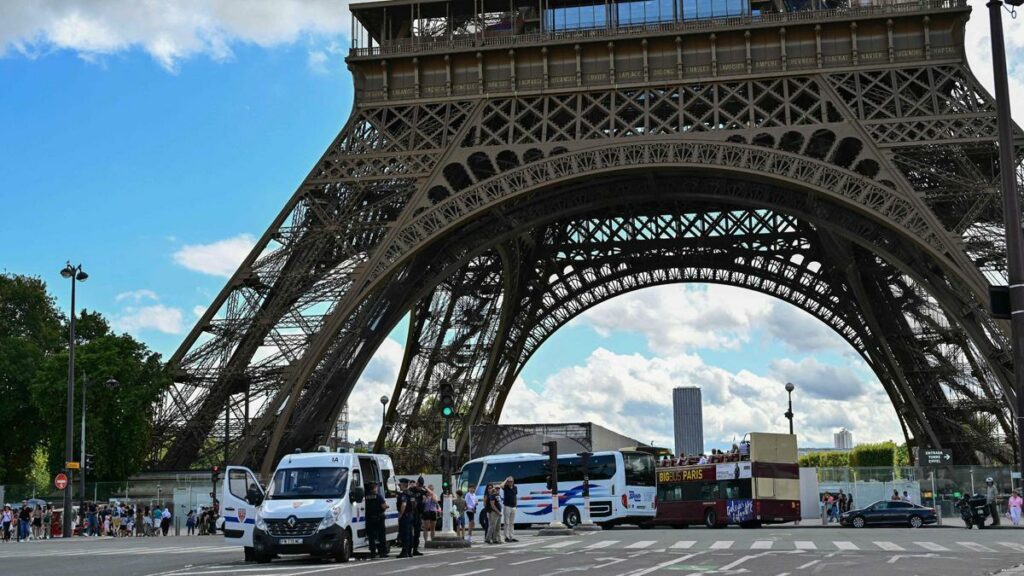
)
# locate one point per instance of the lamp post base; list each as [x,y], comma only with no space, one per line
[555,529]
[588,528]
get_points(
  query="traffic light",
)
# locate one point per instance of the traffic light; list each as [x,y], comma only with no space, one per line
[551,451]
[215,474]
[87,463]
[447,400]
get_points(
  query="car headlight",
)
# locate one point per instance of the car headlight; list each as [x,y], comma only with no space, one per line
[330,517]
[260,524]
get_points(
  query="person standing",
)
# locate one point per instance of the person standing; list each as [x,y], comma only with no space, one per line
[147,522]
[47,522]
[493,517]
[1016,502]
[165,520]
[5,522]
[509,495]
[991,496]
[470,512]
[405,503]
[24,519]
[459,513]
[140,523]
[429,514]
[37,523]
[419,496]
[376,506]
[190,523]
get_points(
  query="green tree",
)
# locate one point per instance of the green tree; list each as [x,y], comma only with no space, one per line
[30,332]
[825,459]
[118,418]
[881,454]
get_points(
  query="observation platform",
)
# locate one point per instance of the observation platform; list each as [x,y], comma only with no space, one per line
[418,48]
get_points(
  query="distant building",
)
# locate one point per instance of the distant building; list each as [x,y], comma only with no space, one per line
[487,439]
[688,418]
[843,440]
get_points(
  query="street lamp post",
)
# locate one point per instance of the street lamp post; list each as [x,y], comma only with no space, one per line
[75,274]
[1011,211]
[789,413]
[383,419]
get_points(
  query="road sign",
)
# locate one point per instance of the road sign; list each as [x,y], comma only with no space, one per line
[61,481]
[929,457]
[72,465]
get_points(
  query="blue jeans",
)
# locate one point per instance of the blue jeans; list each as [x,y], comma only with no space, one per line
[23,528]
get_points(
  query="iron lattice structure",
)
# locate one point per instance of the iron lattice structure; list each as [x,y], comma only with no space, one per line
[506,168]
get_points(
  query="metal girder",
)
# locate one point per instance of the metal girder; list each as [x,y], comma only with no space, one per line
[497,189]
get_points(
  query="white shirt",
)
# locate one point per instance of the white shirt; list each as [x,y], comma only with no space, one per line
[703,460]
[166,514]
[470,501]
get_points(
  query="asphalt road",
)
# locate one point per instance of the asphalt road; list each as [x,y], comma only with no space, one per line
[783,551]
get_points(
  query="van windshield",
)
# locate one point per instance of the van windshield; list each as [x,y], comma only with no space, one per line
[308,483]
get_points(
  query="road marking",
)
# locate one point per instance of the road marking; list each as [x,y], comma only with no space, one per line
[976,547]
[762,545]
[889,546]
[641,544]
[805,545]
[473,559]
[807,565]
[1013,546]
[736,563]
[563,544]
[662,565]
[722,545]
[844,545]
[474,572]
[683,545]
[602,544]
[932,546]
[521,562]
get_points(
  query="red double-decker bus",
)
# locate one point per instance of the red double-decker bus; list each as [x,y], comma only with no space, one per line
[758,485]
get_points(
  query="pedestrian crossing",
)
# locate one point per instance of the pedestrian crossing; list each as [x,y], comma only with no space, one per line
[601,543]
[55,550]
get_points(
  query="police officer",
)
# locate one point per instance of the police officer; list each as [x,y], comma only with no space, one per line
[406,505]
[419,494]
[375,507]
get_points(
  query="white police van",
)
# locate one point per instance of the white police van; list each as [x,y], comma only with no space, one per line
[313,505]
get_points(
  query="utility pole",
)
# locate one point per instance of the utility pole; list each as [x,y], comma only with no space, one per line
[1011,212]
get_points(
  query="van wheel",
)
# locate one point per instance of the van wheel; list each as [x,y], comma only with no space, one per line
[261,557]
[345,554]
[710,518]
[571,517]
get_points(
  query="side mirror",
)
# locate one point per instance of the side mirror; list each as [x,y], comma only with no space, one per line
[357,493]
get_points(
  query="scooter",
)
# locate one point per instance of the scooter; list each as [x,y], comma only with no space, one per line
[973,511]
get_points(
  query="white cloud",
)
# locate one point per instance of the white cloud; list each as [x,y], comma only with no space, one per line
[169,30]
[819,380]
[378,379]
[146,318]
[137,296]
[198,311]
[220,258]
[978,45]
[632,394]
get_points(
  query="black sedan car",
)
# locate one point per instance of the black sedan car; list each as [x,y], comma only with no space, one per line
[889,513]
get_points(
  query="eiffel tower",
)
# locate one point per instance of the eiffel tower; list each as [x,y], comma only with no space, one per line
[508,165]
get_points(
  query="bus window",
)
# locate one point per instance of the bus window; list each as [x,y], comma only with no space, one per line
[496,472]
[709,491]
[531,472]
[470,475]
[639,469]
[732,489]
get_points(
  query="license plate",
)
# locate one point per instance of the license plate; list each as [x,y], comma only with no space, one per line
[286,541]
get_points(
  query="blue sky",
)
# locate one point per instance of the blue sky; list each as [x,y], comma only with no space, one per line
[152,142]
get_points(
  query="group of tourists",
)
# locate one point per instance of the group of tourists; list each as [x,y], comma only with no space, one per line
[26,521]
[832,505]
[123,520]
[204,521]
[738,452]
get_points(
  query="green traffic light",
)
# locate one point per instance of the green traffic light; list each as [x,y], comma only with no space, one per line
[447,411]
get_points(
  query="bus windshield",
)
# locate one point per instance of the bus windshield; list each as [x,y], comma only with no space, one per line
[640,470]
[289,483]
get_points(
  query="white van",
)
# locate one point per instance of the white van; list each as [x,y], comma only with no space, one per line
[313,505]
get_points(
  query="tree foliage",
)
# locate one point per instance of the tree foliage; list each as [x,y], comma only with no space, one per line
[825,459]
[877,454]
[33,376]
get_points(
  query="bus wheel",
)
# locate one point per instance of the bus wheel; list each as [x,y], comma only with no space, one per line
[710,518]
[571,517]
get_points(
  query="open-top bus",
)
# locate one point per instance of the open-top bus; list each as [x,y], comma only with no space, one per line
[759,486]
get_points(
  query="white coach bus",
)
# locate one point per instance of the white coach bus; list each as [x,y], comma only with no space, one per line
[622,486]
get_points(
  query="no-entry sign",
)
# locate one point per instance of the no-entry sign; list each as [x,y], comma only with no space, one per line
[61,481]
